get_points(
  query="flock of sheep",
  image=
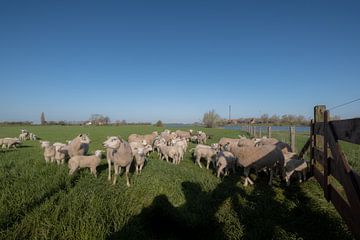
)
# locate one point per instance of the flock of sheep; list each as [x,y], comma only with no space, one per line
[14,142]
[264,154]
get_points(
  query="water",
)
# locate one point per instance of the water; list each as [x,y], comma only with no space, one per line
[305,129]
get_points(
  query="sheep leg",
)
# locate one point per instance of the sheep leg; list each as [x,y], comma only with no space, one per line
[93,171]
[300,177]
[116,168]
[220,171]
[271,176]
[141,167]
[71,171]
[109,169]
[198,161]
[207,163]
[127,175]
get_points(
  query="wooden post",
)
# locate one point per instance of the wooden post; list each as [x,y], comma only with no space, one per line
[292,138]
[259,131]
[269,131]
[312,147]
[326,159]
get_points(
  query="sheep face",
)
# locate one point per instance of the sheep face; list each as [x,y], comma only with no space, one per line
[112,142]
[84,138]
[44,144]
[98,153]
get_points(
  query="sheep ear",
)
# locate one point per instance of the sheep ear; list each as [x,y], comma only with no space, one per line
[80,135]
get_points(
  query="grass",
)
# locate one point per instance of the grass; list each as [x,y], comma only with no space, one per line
[41,201]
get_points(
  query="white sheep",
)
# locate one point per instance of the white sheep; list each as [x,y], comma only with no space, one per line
[225,161]
[140,154]
[292,165]
[259,158]
[168,152]
[79,145]
[91,162]
[119,152]
[49,151]
[60,152]
[206,152]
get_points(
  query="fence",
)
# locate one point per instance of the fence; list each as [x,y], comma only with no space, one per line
[329,164]
[256,131]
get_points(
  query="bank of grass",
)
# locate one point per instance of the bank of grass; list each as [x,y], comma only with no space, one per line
[40,201]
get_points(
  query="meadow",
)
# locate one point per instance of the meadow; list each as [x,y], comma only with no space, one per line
[41,201]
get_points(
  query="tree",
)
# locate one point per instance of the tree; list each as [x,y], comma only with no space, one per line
[98,119]
[159,124]
[42,119]
[211,119]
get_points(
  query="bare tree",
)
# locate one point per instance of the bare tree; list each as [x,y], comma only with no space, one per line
[211,119]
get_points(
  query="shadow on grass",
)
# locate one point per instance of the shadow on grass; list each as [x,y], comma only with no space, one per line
[262,217]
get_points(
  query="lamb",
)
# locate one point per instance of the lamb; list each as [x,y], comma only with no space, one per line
[293,165]
[225,161]
[140,155]
[258,158]
[23,136]
[78,146]
[33,137]
[49,151]
[168,151]
[201,138]
[137,145]
[9,142]
[91,162]
[60,152]
[181,145]
[206,152]
[119,152]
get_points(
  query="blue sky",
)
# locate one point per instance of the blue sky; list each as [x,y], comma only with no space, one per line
[174,60]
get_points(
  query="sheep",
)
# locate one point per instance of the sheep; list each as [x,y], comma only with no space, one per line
[109,154]
[285,148]
[78,146]
[292,165]
[181,145]
[225,161]
[9,142]
[49,151]
[183,134]
[149,138]
[120,154]
[201,137]
[258,158]
[207,152]
[23,136]
[33,137]
[91,162]
[140,157]
[168,151]
[137,145]
[194,139]
[60,152]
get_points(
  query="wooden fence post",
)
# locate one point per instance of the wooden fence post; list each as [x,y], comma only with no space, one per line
[292,138]
[269,131]
[326,160]
[259,131]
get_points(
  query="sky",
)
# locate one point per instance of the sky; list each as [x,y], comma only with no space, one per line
[174,60]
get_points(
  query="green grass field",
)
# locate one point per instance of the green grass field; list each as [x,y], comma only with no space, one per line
[41,201]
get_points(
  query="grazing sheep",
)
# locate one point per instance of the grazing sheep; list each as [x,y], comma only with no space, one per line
[293,165]
[225,161]
[194,139]
[224,140]
[181,145]
[91,162]
[33,137]
[207,152]
[49,151]
[9,142]
[78,146]
[121,155]
[258,158]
